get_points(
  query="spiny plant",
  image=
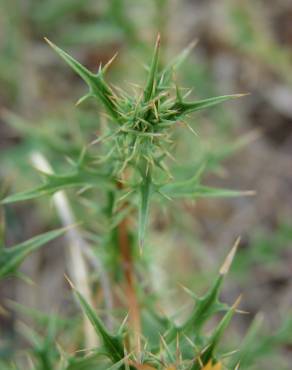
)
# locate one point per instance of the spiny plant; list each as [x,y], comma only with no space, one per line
[130,163]
[135,148]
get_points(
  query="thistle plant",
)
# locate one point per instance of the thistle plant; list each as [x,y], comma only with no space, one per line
[137,141]
[127,168]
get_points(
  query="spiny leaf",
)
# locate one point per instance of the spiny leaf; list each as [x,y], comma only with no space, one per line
[112,343]
[223,325]
[216,336]
[207,305]
[192,189]
[183,108]
[208,192]
[176,63]
[97,86]
[145,192]
[11,258]
[149,89]
[54,183]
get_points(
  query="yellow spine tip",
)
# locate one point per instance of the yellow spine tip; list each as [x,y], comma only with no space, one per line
[240,95]
[229,259]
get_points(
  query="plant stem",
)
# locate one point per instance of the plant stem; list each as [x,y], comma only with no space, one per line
[129,274]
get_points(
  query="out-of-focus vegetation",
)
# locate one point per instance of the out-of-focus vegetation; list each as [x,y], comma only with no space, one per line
[243,46]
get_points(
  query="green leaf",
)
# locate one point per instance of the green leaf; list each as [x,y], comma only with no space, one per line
[192,189]
[145,192]
[213,342]
[113,344]
[54,183]
[205,306]
[183,108]
[11,258]
[208,192]
[150,85]
[176,63]
[97,86]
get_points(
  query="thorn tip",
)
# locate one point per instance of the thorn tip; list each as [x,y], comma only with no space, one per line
[228,261]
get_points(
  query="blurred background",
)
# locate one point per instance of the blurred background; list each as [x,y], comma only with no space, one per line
[244,46]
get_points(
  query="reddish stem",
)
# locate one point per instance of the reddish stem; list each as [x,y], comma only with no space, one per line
[129,273]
